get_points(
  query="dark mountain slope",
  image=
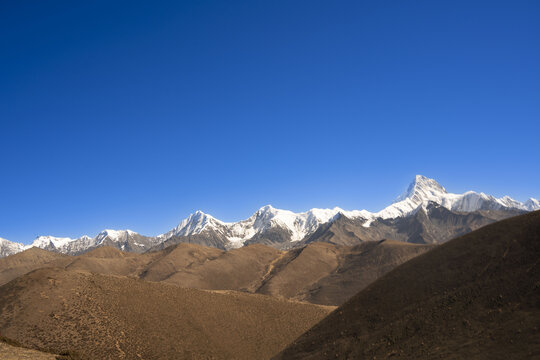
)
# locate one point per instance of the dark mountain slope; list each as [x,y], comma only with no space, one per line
[475,297]
[298,269]
[359,266]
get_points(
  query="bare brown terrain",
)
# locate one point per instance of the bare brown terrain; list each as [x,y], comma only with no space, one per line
[10,352]
[475,297]
[320,273]
[13,350]
[328,274]
[19,264]
[112,317]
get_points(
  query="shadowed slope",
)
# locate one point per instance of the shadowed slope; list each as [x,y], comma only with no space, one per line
[474,297]
[109,317]
[298,269]
[358,267]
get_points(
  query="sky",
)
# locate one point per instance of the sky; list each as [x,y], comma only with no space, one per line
[134,114]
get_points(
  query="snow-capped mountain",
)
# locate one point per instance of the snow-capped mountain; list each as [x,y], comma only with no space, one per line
[284,228]
[122,239]
[532,204]
[423,190]
[53,243]
[9,247]
[296,226]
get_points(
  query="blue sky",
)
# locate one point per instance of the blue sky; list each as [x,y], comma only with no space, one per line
[133,114]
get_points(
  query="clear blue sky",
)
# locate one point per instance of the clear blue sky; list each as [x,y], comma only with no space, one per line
[133,114]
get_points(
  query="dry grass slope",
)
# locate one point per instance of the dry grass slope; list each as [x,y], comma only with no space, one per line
[320,273]
[26,261]
[111,317]
[10,352]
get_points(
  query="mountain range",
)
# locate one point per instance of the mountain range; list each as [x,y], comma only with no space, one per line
[473,297]
[424,213]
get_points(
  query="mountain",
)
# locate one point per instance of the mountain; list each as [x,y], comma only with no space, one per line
[117,317]
[431,224]
[474,297]
[121,239]
[424,213]
[268,226]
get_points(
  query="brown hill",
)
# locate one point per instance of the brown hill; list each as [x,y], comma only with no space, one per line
[358,267]
[320,273]
[110,261]
[239,269]
[475,297]
[111,317]
[26,261]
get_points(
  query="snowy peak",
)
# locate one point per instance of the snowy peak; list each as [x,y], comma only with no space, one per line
[532,204]
[268,214]
[194,224]
[421,189]
[9,247]
[113,235]
[51,242]
[420,192]
[297,225]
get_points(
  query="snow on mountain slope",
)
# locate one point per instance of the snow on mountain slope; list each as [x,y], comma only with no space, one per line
[193,225]
[9,247]
[114,235]
[121,239]
[532,204]
[51,242]
[298,225]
